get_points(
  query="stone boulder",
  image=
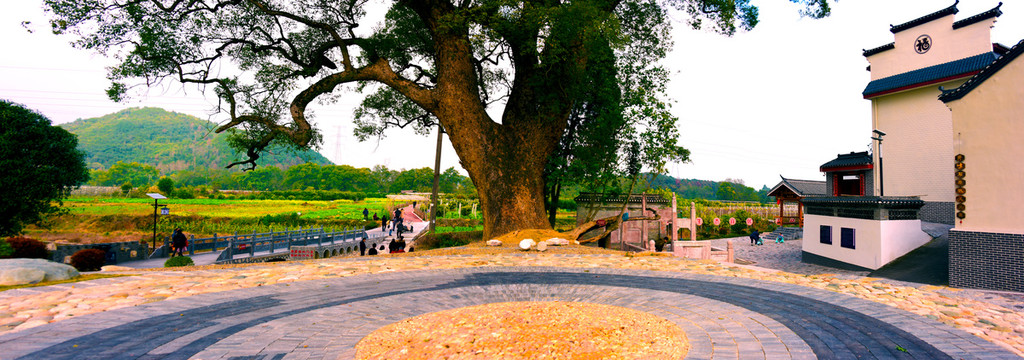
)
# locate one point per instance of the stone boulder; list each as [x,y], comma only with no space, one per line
[31,271]
[526,244]
[542,246]
[494,242]
[557,242]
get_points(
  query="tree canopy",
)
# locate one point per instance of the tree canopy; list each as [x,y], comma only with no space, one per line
[446,62]
[40,163]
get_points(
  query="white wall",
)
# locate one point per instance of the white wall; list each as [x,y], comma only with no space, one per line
[877,241]
[947,45]
[917,149]
[988,128]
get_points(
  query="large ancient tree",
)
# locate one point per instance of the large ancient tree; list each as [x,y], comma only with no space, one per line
[427,62]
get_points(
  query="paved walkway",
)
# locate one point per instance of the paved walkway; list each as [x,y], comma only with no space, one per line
[724,317]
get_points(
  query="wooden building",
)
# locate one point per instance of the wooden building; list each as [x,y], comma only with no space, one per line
[789,194]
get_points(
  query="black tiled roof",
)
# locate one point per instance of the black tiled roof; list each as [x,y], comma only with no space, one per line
[994,12]
[983,75]
[845,160]
[962,67]
[924,19]
[801,187]
[879,49]
[866,201]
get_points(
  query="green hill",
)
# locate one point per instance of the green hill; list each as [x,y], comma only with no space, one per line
[167,140]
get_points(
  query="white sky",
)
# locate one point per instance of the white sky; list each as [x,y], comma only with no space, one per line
[781,99]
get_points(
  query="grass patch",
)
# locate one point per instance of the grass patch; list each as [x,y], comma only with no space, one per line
[48,283]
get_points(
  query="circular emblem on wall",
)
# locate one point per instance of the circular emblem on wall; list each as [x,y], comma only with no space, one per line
[732,221]
[960,166]
[959,157]
[717,221]
[700,221]
[750,221]
[961,207]
[923,44]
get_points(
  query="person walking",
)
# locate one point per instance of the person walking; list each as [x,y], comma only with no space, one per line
[366,214]
[178,242]
[362,247]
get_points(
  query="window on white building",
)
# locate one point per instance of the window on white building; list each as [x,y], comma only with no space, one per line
[848,238]
[826,234]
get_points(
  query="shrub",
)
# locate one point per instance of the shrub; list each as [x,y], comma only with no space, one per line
[5,249]
[89,259]
[437,241]
[27,248]
[179,261]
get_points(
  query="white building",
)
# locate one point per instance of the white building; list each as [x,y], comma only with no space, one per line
[986,247]
[927,52]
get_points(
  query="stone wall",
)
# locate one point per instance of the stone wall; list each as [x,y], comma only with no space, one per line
[116,252]
[938,212]
[983,260]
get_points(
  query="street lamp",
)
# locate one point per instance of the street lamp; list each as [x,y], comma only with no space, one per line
[156,205]
[881,168]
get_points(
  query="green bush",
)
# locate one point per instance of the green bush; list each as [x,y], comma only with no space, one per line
[442,240]
[5,249]
[27,248]
[179,261]
[88,259]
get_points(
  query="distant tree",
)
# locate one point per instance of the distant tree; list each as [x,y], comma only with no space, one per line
[419,180]
[726,191]
[382,178]
[126,187]
[265,178]
[41,165]
[139,175]
[166,185]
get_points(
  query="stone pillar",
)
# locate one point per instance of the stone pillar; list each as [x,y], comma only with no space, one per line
[693,221]
[672,222]
[730,257]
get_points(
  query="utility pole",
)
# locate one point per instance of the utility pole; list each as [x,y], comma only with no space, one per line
[156,205]
[881,168]
[437,180]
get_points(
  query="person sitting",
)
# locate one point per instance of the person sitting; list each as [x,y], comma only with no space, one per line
[780,239]
[373,250]
[375,217]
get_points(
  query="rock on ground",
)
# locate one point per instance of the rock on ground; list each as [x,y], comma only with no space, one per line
[31,271]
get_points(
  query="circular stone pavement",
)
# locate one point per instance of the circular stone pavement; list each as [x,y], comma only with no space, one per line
[723,317]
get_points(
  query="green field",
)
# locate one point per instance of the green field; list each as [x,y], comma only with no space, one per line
[213,208]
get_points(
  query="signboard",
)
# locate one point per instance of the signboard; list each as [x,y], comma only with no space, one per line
[682,223]
[165,211]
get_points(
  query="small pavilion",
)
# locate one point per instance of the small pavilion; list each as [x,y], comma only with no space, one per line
[789,194]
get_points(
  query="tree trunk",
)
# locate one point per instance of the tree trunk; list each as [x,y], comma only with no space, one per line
[506,164]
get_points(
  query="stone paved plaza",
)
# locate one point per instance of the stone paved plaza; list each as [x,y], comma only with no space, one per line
[724,317]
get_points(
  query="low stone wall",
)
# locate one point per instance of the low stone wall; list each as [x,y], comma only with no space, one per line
[116,252]
[325,251]
[256,259]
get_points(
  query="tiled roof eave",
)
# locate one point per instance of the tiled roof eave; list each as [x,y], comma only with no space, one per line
[919,85]
[886,47]
[948,71]
[952,10]
[994,12]
[983,74]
